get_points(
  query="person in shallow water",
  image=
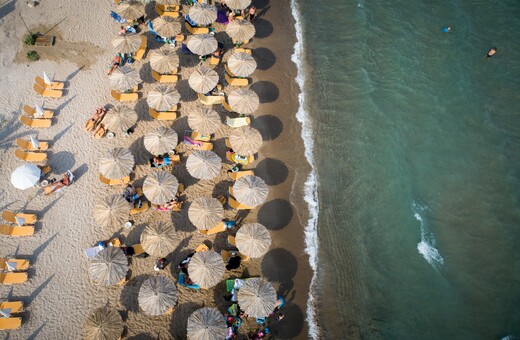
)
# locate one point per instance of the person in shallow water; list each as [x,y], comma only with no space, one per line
[446,29]
[491,52]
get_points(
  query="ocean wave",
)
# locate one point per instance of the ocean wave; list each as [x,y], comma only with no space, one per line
[310,189]
[427,246]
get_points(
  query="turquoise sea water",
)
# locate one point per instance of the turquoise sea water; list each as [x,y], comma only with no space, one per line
[417,154]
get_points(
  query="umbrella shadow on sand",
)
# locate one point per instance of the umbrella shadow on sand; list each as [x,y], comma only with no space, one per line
[275,214]
[180,219]
[266,90]
[272,171]
[269,126]
[264,28]
[130,293]
[180,317]
[279,265]
[264,57]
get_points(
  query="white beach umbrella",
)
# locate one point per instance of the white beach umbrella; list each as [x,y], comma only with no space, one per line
[111,211]
[241,64]
[238,4]
[128,43]
[202,44]
[207,323]
[250,190]
[204,164]
[160,140]
[160,187]
[163,97]
[124,78]
[25,176]
[104,324]
[203,14]
[253,240]
[157,295]
[164,61]
[204,120]
[120,118]
[245,140]
[206,212]
[131,9]
[203,79]
[243,101]
[206,268]
[159,239]
[166,26]
[109,266]
[240,30]
[257,297]
[116,163]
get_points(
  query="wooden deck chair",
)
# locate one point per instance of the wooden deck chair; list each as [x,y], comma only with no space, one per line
[236,175]
[139,54]
[165,78]
[124,97]
[226,106]
[16,231]
[12,278]
[36,123]
[27,145]
[231,241]
[19,264]
[100,131]
[196,30]
[226,254]
[45,169]
[10,216]
[35,157]
[144,206]
[10,323]
[236,82]
[238,122]
[167,115]
[238,206]
[55,85]
[242,50]
[215,230]
[16,306]
[120,181]
[138,249]
[202,247]
[30,111]
[45,92]
[161,12]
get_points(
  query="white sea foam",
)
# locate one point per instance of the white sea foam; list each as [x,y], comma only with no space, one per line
[311,195]
[427,246]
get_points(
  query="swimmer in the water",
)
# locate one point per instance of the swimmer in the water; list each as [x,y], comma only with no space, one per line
[491,52]
[446,29]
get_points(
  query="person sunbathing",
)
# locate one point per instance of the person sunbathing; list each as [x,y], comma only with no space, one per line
[64,182]
[100,130]
[174,204]
[116,62]
[161,161]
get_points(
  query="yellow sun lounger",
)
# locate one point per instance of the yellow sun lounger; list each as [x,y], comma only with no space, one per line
[226,254]
[231,156]
[139,54]
[124,97]
[144,206]
[36,123]
[27,145]
[32,112]
[36,157]
[242,50]
[19,264]
[202,247]
[45,92]
[55,85]
[165,78]
[10,216]
[10,323]
[236,175]
[214,61]
[199,137]
[12,278]
[231,241]
[226,106]
[215,230]
[168,8]
[196,30]
[238,206]
[138,249]
[16,231]
[210,100]
[16,306]
[119,181]
[236,82]
[163,115]
[230,190]
[162,12]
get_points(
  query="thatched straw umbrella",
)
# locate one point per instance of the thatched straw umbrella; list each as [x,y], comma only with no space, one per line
[128,43]
[202,44]
[130,9]
[206,212]
[160,187]
[166,26]
[111,211]
[168,2]
[104,324]
[124,78]
[204,120]
[116,163]
[160,140]
[157,295]
[206,268]
[240,30]
[250,190]
[241,64]
[207,323]
[164,61]
[257,297]
[238,4]
[203,79]
[163,97]
[204,164]
[109,266]
[120,118]
[243,101]
[245,140]
[253,240]
[158,239]
[203,14]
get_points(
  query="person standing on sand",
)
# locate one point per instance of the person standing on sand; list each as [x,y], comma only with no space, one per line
[491,52]
[252,13]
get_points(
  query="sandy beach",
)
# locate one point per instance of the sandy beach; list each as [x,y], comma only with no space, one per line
[59,294]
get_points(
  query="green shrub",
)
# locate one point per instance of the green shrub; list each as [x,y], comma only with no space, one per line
[29,39]
[32,55]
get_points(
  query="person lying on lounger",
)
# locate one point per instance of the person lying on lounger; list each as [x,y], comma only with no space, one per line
[171,205]
[160,161]
[116,62]
[130,194]
[64,182]
[96,118]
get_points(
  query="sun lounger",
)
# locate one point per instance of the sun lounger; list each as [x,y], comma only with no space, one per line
[35,157]
[55,85]
[197,144]
[233,157]
[230,190]
[139,54]
[197,136]
[236,175]
[165,78]
[168,8]
[238,206]
[226,106]
[12,278]
[28,145]
[144,206]
[100,131]
[236,82]
[10,323]
[138,249]
[214,61]
[242,50]
[119,181]
[173,14]
[182,282]
[36,123]
[231,241]
[46,92]
[202,247]
[16,265]
[10,216]
[238,122]
[15,306]
[196,30]
[124,97]
[226,254]
[210,100]
[163,115]
[16,231]
[215,230]
[33,113]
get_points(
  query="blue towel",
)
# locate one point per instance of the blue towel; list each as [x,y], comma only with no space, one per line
[117,17]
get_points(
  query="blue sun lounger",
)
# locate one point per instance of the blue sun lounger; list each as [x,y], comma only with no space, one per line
[184,284]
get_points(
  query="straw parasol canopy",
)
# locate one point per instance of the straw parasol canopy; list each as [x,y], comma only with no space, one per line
[109,266]
[160,187]
[111,211]
[207,323]
[238,4]
[204,120]
[203,79]
[164,61]
[203,14]
[202,44]
[120,118]
[250,190]
[130,9]
[244,101]
[206,212]
[241,64]
[104,324]
[206,268]
[25,176]
[163,97]
[253,240]
[204,164]
[168,2]
[166,26]
[240,30]
[158,239]
[160,140]
[245,140]
[116,163]
[157,295]
[257,297]
[124,78]
[128,43]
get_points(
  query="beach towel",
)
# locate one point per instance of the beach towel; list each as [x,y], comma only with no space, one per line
[189,141]
[222,17]
[183,283]
[117,17]
[150,28]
